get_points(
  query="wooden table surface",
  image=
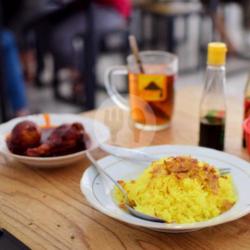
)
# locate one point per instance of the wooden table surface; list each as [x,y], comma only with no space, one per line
[169,8]
[46,210]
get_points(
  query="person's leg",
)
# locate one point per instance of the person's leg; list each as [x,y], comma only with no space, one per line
[246,22]
[108,19]
[62,36]
[15,87]
[105,19]
[63,33]
[212,7]
[65,56]
[246,13]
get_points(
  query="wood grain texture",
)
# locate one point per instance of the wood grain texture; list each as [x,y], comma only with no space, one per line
[46,210]
[170,8]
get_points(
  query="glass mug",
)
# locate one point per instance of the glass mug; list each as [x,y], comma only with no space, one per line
[151,92]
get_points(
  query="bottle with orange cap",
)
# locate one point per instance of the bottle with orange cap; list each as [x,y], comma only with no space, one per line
[212,106]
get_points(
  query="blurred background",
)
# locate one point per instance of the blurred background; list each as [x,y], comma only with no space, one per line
[54,53]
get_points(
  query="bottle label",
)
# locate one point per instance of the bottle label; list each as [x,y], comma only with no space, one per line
[215,116]
[152,87]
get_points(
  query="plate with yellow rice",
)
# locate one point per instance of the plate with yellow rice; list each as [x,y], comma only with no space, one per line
[184,188]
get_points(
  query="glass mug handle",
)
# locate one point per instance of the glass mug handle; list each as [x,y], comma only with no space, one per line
[116,97]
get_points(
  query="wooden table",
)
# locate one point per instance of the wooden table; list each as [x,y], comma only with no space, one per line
[46,210]
[171,8]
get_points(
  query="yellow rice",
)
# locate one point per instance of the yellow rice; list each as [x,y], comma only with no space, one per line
[178,199]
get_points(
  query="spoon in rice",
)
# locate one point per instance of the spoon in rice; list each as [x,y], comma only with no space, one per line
[127,204]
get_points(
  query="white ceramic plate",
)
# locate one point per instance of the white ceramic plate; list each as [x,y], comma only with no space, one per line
[97,131]
[101,198]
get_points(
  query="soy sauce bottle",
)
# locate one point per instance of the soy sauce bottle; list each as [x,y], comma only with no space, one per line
[212,106]
[246,105]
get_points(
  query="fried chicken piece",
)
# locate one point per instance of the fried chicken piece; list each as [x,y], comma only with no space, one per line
[65,139]
[24,135]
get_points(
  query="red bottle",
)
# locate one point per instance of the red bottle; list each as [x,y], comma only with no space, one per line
[246,104]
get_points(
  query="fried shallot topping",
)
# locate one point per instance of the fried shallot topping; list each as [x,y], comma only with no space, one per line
[186,167]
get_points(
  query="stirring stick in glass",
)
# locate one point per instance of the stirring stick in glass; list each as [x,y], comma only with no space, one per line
[134,48]
[135,51]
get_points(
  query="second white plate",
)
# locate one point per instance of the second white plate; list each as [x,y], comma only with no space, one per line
[98,132]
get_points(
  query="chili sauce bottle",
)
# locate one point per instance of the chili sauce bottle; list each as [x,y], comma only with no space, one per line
[246,105]
[212,106]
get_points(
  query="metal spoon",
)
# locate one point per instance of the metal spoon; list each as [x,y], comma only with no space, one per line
[136,155]
[127,153]
[125,195]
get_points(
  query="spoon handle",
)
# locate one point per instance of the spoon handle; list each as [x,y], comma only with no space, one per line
[127,153]
[103,172]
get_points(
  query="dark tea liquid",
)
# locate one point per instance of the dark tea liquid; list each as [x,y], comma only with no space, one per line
[157,112]
[212,133]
